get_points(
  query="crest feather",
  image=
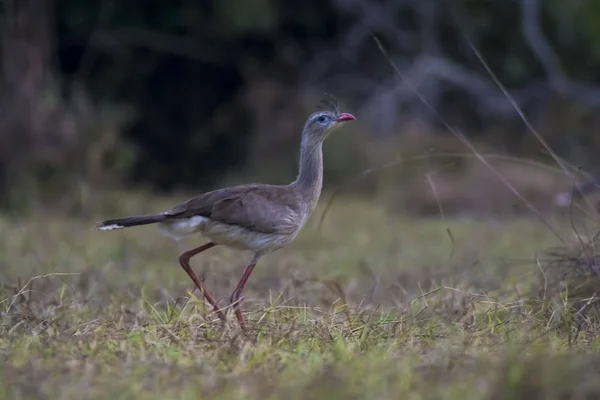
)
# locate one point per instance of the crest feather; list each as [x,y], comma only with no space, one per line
[330,103]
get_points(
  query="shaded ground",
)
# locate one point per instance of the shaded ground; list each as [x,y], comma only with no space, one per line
[373,306]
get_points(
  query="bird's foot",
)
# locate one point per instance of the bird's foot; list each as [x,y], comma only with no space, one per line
[232,330]
[235,301]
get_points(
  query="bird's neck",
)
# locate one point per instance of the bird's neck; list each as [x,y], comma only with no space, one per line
[310,175]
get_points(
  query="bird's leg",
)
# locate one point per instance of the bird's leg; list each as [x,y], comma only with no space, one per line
[184,260]
[236,296]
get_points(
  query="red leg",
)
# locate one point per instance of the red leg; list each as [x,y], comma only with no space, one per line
[236,296]
[184,260]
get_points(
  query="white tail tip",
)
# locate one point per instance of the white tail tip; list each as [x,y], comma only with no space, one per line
[110,227]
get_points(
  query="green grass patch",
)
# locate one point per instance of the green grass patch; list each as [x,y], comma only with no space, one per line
[374,305]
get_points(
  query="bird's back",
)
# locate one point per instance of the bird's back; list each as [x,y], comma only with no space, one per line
[270,209]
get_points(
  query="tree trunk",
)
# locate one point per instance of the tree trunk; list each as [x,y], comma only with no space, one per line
[28,124]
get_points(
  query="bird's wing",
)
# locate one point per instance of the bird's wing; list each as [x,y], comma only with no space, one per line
[261,208]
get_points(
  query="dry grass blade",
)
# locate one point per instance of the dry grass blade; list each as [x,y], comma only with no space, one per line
[568,283]
[520,112]
[393,164]
[516,106]
[465,141]
[441,208]
[24,290]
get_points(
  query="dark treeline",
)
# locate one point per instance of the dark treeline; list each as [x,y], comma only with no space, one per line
[180,93]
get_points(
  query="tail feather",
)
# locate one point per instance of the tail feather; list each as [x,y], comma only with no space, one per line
[130,221]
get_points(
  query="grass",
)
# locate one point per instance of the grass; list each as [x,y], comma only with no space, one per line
[376,305]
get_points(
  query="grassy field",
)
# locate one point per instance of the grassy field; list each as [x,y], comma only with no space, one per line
[375,305]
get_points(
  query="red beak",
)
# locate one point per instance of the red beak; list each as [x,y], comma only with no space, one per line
[345,117]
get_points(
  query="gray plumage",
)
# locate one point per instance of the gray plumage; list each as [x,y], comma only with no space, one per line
[259,208]
[256,217]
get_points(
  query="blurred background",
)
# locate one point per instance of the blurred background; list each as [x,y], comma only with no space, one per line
[429,276]
[164,96]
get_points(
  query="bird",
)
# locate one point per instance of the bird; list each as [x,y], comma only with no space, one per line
[258,217]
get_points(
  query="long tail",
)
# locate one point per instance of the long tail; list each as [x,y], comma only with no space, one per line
[130,221]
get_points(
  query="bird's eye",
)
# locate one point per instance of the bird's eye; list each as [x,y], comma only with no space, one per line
[322,118]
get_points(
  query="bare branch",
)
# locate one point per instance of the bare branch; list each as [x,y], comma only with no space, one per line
[539,45]
[530,26]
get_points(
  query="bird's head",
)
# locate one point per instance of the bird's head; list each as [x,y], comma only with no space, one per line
[321,123]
